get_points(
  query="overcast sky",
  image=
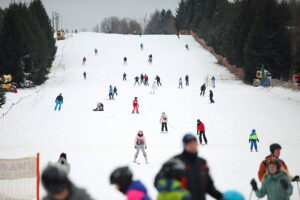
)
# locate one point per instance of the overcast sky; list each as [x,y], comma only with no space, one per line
[78,14]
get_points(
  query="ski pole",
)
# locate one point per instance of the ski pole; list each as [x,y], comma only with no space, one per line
[171,126]
[250,196]
[298,188]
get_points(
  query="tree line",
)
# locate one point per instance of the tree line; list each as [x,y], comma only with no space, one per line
[27,43]
[249,33]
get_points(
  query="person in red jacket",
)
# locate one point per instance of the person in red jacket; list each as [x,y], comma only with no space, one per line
[135,105]
[201,131]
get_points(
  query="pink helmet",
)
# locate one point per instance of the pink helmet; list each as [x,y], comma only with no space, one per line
[140,133]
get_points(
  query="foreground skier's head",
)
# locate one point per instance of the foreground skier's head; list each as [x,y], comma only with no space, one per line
[275,149]
[122,178]
[273,166]
[190,144]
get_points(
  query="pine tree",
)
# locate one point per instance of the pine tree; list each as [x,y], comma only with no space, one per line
[1,18]
[180,16]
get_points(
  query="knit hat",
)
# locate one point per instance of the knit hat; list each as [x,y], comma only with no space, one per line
[188,138]
[233,195]
[63,155]
[140,133]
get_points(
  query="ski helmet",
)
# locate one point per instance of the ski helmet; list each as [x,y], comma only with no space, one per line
[173,168]
[122,176]
[140,133]
[233,195]
[253,130]
[274,146]
[274,161]
[55,179]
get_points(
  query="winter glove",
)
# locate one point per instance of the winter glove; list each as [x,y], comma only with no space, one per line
[253,184]
[134,146]
[258,140]
[284,184]
[145,147]
[296,178]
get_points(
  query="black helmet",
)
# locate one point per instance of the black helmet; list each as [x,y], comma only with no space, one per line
[274,146]
[121,176]
[55,179]
[173,168]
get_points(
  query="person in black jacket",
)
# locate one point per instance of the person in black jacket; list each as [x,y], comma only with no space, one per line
[196,177]
[211,95]
[203,88]
[58,102]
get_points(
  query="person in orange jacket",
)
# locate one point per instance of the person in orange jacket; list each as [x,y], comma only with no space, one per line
[135,105]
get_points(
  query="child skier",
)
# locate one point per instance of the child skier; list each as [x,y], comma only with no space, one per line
[111,92]
[153,88]
[211,95]
[125,61]
[59,101]
[142,78]
[203,88]
[83,60]
[157,78]
[124,76]
[136,79]
[135,105]
[252,140]
[150,59]
[186,80]
[142,46]
[180,83]
[115,91]
[146,78]
[140,144]
[96,51]
[84,75]
[100,107]
[134,190]
[201,131]
[62,161]
[164,121]
[213,82]
[187,47]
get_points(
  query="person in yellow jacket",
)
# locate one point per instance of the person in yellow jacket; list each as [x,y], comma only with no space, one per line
[253,139]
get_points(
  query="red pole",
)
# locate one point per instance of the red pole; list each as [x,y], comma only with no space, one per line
[38,176]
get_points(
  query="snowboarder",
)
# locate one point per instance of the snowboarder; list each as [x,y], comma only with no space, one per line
[164,121]
[142,78]
[201,131]
[96,51]
[124,76]
[186,80]
[150,59]
[58,186]
[187,47]
[140,144]
[276,185]
[157,78]
[136,80]
[134,190]
[62,161]
[168,181]
[203,88]
[213,82]
[180,83]
[252,140]
[211,95]
[146,78]
[84,75]
[125,61]
[153,88]
[83,60]
[111,92]
[58,102]
[115,91]
[142,46]
[100,107]
[135,105]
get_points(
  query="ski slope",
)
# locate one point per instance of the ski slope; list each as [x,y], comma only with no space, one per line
[97,142]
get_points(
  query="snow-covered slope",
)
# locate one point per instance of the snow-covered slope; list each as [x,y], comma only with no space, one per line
[97,142]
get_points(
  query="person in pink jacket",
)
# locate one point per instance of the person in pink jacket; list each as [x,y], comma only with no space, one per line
[140,144]
[164,121]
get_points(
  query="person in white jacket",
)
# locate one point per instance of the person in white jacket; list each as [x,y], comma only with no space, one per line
[164,121]
[64,163]
[153,88]
[140,144]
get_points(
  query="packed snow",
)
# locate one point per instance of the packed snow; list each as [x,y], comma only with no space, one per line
[98,142]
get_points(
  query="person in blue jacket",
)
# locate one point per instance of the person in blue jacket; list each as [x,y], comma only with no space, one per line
[58,102]
[253,139]
[111,92]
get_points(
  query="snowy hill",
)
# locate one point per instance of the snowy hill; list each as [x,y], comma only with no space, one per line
[97,142]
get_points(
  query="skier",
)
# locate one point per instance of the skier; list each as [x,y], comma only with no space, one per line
[111,92]
[252,140]
[142,78]
[140,144]
[187,47]
[136,80]
[186,80]
[153,88]
[213,82]
[84,75]
[157,78]
[58,102]
[135,105]
[96,51]
[201,131]
[276,185]
[203,88]
[64,163]
[142,46]
[58,186]
[168,181]
[100,107]
[211,95]
[164,121]
[150,59]
[83,60]
[180,83]
[125,61]
[146,78]
[115,91]
[134,190]
[124,76]
[178,35]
